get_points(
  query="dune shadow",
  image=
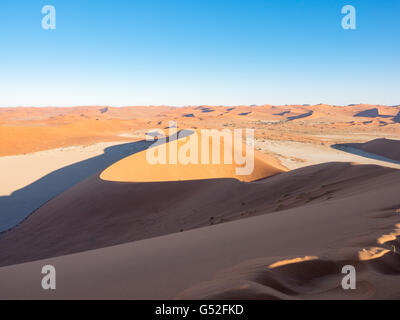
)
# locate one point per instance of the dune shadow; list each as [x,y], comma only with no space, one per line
[372,113]
[352,148]
[21,203]
[282,113]
[304,115]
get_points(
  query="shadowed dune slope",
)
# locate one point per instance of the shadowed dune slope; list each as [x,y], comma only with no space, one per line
[336,214]
[37,178]
[397,118]
[383,147]
[98,213]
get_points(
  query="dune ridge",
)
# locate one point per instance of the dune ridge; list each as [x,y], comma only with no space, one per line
[98,213]
[309,277]
[233,260]
[137,167]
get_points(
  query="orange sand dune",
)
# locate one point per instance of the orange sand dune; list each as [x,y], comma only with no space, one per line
[296,251]
[98,213]
[25,130]
[137,168]
[202,231]
[27,139]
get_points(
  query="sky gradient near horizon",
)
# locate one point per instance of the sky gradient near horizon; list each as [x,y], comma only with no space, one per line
[193,52]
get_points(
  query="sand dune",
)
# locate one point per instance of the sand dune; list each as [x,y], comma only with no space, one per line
[26,130]
[295,155]
[31,180]
[294,253]
[137,168]
[383,147]
[117,227]
[98,213]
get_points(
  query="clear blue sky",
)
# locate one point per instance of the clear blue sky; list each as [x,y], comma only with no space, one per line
[189,52]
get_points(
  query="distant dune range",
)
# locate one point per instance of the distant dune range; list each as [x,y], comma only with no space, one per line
[136,231]
[25,130]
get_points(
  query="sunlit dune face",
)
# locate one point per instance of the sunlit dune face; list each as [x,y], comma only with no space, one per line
[372,253]
[286,262]
[190,158]
[391,236]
